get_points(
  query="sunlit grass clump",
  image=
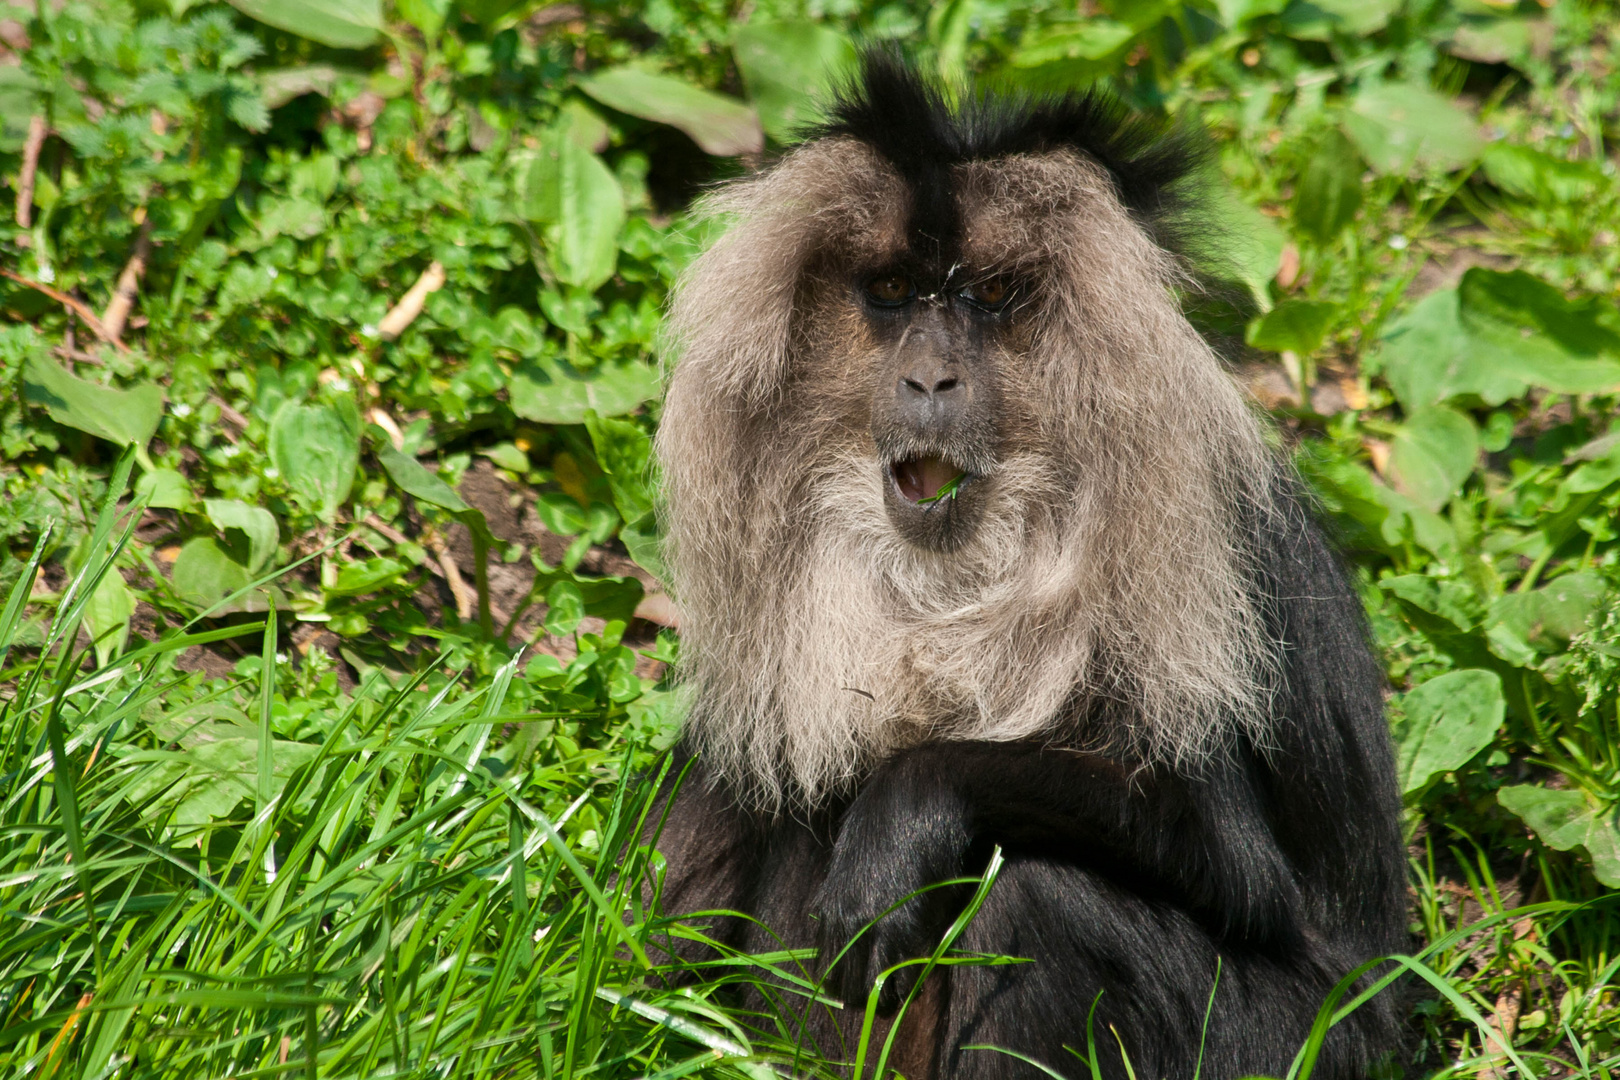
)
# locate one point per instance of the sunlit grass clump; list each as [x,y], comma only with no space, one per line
[257,876]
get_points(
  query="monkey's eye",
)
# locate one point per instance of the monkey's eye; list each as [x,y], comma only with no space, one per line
[890,290]
[989,293]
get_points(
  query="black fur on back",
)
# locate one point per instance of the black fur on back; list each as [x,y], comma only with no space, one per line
[910,122]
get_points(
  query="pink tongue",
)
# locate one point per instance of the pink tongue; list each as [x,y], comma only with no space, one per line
[921,478]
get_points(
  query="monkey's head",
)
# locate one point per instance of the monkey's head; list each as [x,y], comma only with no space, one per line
[943,457]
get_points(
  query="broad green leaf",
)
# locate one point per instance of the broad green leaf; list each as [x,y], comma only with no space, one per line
[1531,174]
[790,69]
[1359,17]
[624,451]
[342,24]
[218,770]
[1451,600]
[549,390]
[257,526]
[108,614]
[1432,453]
[1517,305]
[581,125]
[1093,39]
[414,479]
[1497,40]
[620,668]
[1400,126]
[365,576]
[427,16]
[490,12]
[1546,618]
[1234,13]
[1447,721]
[1595,473]
[1410,523]
[1245,244]
[721,125]
[1348,490]
[1306,21]
[571,310]
[565,606]
[126,417]
[298,216]
[601,521]
[1294,325]
[610,598]
[166,488]
[18,104]
[507,456]
[577,199]
[317,450]
[1568,818]
[1329,190]
[643,539]
[1494,339]
[205,573]
[1428,357]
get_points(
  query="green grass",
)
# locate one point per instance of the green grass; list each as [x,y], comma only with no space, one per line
[406,898]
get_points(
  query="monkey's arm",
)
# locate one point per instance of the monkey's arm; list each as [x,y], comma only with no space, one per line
[1203,844]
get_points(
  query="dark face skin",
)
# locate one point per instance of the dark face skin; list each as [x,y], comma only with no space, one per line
[936,408]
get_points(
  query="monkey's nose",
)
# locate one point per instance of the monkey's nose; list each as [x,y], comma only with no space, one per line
[941,386]
[931,394]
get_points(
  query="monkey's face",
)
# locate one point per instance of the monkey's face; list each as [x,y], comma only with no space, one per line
[942,455]
[936,418]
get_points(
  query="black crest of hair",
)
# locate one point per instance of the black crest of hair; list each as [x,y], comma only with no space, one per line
[912,124]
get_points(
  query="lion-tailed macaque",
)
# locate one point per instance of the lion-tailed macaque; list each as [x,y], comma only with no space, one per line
[977,544]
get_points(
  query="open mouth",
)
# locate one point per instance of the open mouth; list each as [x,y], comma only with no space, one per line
[926,481]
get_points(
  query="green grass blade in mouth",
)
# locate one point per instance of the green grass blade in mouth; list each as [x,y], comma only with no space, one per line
[947,490]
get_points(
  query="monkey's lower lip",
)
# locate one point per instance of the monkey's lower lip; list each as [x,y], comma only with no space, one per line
[921,479]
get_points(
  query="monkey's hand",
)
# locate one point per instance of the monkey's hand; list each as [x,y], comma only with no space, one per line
[905,832]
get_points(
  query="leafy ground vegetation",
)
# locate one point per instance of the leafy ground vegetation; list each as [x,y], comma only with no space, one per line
[333,645]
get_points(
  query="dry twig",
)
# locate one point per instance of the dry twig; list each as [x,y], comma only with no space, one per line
[37,130]
[77,355]
[230,415]
[442,564]
[402,314]
[77,306]
[552,14]
[386,422]
[658,608]
[123,298]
